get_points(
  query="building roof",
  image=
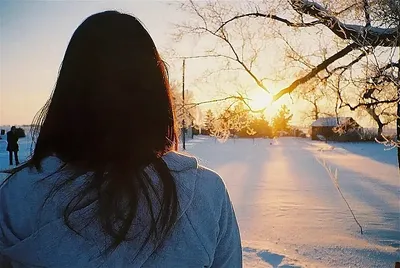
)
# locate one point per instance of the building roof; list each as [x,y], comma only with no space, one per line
[330,121]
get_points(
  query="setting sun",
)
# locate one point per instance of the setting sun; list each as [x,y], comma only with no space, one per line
[260,99]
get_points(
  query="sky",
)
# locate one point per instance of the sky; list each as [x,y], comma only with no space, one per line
[33,39]
[34,35]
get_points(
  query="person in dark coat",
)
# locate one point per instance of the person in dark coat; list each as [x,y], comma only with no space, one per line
[12,145]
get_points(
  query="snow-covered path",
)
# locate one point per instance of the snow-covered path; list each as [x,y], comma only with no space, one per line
[287,203]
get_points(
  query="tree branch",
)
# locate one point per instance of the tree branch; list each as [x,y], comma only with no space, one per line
[366,12]
[344,67]
[346,9]
[316,70]
[369,104]
[390,65]
[236,58]
[364,35]
[269,16]
[362,55]
[239,98]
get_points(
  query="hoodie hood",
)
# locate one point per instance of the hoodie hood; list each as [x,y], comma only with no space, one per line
[184,169]
[29,244]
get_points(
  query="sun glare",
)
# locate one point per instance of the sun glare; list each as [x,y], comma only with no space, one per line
[259,99]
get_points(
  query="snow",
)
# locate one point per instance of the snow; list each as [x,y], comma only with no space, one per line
[370,150]
[304,5]
[289,210]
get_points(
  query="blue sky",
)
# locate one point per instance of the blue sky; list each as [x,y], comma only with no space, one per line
[33,39]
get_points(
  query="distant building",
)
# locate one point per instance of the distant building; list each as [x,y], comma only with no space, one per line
[328,127]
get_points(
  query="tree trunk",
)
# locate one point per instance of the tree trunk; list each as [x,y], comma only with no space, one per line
[316,111]
[380,130]
[372,112]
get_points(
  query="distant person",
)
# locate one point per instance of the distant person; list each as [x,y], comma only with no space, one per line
[12,145]
[114,199]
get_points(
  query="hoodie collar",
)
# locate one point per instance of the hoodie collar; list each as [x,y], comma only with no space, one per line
[179,162]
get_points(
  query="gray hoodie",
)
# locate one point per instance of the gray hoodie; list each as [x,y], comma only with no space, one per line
[33,233]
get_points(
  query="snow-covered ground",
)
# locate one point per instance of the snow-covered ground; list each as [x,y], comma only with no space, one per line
[289,209]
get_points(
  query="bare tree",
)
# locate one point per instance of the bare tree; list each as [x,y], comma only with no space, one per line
[353,30]
[319,100]
[215,17]
[377,95]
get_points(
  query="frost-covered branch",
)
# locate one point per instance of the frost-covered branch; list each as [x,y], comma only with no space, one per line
[215,21]
[365,35]
[389,143]
[269,16]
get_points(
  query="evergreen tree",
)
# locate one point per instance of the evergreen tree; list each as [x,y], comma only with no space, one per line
[209,121]
[281,121]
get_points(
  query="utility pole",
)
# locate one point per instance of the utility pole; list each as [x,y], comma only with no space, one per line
[183,105]
[183,97]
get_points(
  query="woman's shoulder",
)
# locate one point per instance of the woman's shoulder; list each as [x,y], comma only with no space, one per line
[187,167]
[25,185]
[27,175]
[196,183]
[22,195]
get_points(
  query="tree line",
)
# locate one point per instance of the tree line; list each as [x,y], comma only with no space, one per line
[238,121]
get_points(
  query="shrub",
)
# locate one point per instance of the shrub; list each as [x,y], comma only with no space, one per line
[368,134]
[349,136]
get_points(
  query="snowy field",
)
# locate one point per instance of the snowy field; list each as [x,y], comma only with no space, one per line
[289,209]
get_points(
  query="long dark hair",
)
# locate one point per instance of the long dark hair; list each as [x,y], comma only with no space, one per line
[111,116]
